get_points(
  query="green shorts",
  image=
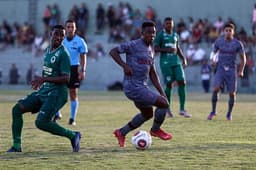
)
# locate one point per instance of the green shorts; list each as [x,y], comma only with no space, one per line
[172,73]
[47,106]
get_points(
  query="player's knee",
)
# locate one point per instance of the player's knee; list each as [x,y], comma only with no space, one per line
[39,124]
[148,115]
[17,109]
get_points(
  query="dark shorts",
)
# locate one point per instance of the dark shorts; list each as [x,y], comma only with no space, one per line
[74,81]
[227,77]
[141,96]
[46,106]
[172,73]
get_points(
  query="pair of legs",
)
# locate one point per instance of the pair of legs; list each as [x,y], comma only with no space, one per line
[229,78]
[46,108]
[175,74]
[215,96]
[146,113]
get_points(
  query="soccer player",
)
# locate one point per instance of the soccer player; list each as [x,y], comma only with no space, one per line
[50,96]
[139,66]
[77,49]
[227,48]
[171,61]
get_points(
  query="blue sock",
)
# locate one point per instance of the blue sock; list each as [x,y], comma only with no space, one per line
[159,118]
[214,101]
[231,104]
[73,109]
[137,121]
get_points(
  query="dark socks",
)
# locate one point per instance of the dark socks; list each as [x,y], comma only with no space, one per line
[137,121]
[159,118]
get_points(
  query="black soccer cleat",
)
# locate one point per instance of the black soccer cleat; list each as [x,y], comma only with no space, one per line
[12,149]
[75,142]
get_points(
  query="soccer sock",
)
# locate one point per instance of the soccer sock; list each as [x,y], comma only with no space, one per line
[159,118]
[17,124]
[137,121]
[214,101]
[54,128]
[58,113]
[73,109]
[168,93]
[231,104]
[182,96]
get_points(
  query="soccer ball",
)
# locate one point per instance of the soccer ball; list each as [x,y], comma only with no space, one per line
[141,140]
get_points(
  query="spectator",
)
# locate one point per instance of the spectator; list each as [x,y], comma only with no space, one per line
[100,18]
[14,74]
[206,75]
[199,55]
[254,20]
[30,74]
[219,24]
[83,18]
[190,53]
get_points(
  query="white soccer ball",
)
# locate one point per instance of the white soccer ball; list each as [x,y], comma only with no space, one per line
[141,140]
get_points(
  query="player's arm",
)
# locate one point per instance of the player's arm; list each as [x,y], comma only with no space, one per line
[38,80]
[242,65]
[181,55]
[83,61]
[155,80]
[117,58]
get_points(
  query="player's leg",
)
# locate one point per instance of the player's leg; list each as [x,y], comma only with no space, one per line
[73,85]
[43,121]
[180,77]
[73,105]
[167,76]
[145,114]
[160,112]
[30,104]
[231,82]
[218,81]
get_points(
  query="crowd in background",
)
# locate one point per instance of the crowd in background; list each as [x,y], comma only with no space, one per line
[122,22]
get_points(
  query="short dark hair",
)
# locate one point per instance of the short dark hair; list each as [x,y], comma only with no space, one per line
[168,19]
[70,21]
[147,24]
[229,25]
[58,27]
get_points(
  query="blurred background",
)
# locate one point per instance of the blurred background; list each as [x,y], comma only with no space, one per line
[25,25]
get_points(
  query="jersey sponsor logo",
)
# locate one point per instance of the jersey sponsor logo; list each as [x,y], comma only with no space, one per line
[173,45]
[47,70]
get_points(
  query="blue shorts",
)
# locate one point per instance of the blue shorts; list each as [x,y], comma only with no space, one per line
[227,77]
[141,95]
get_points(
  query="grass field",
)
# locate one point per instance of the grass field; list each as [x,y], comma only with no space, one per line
[196,144]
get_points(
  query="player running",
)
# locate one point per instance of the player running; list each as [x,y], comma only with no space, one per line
[171,61]
[50,96]
[139,66]
[227,48]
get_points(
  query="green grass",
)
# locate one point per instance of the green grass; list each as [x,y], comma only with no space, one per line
[196,144]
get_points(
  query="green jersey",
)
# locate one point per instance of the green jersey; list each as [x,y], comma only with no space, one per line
[165,40]
[56,63]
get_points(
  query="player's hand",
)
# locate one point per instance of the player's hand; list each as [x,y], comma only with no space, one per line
[184,62]
[127,70]
[241,74]
[81,75]
[37,82]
